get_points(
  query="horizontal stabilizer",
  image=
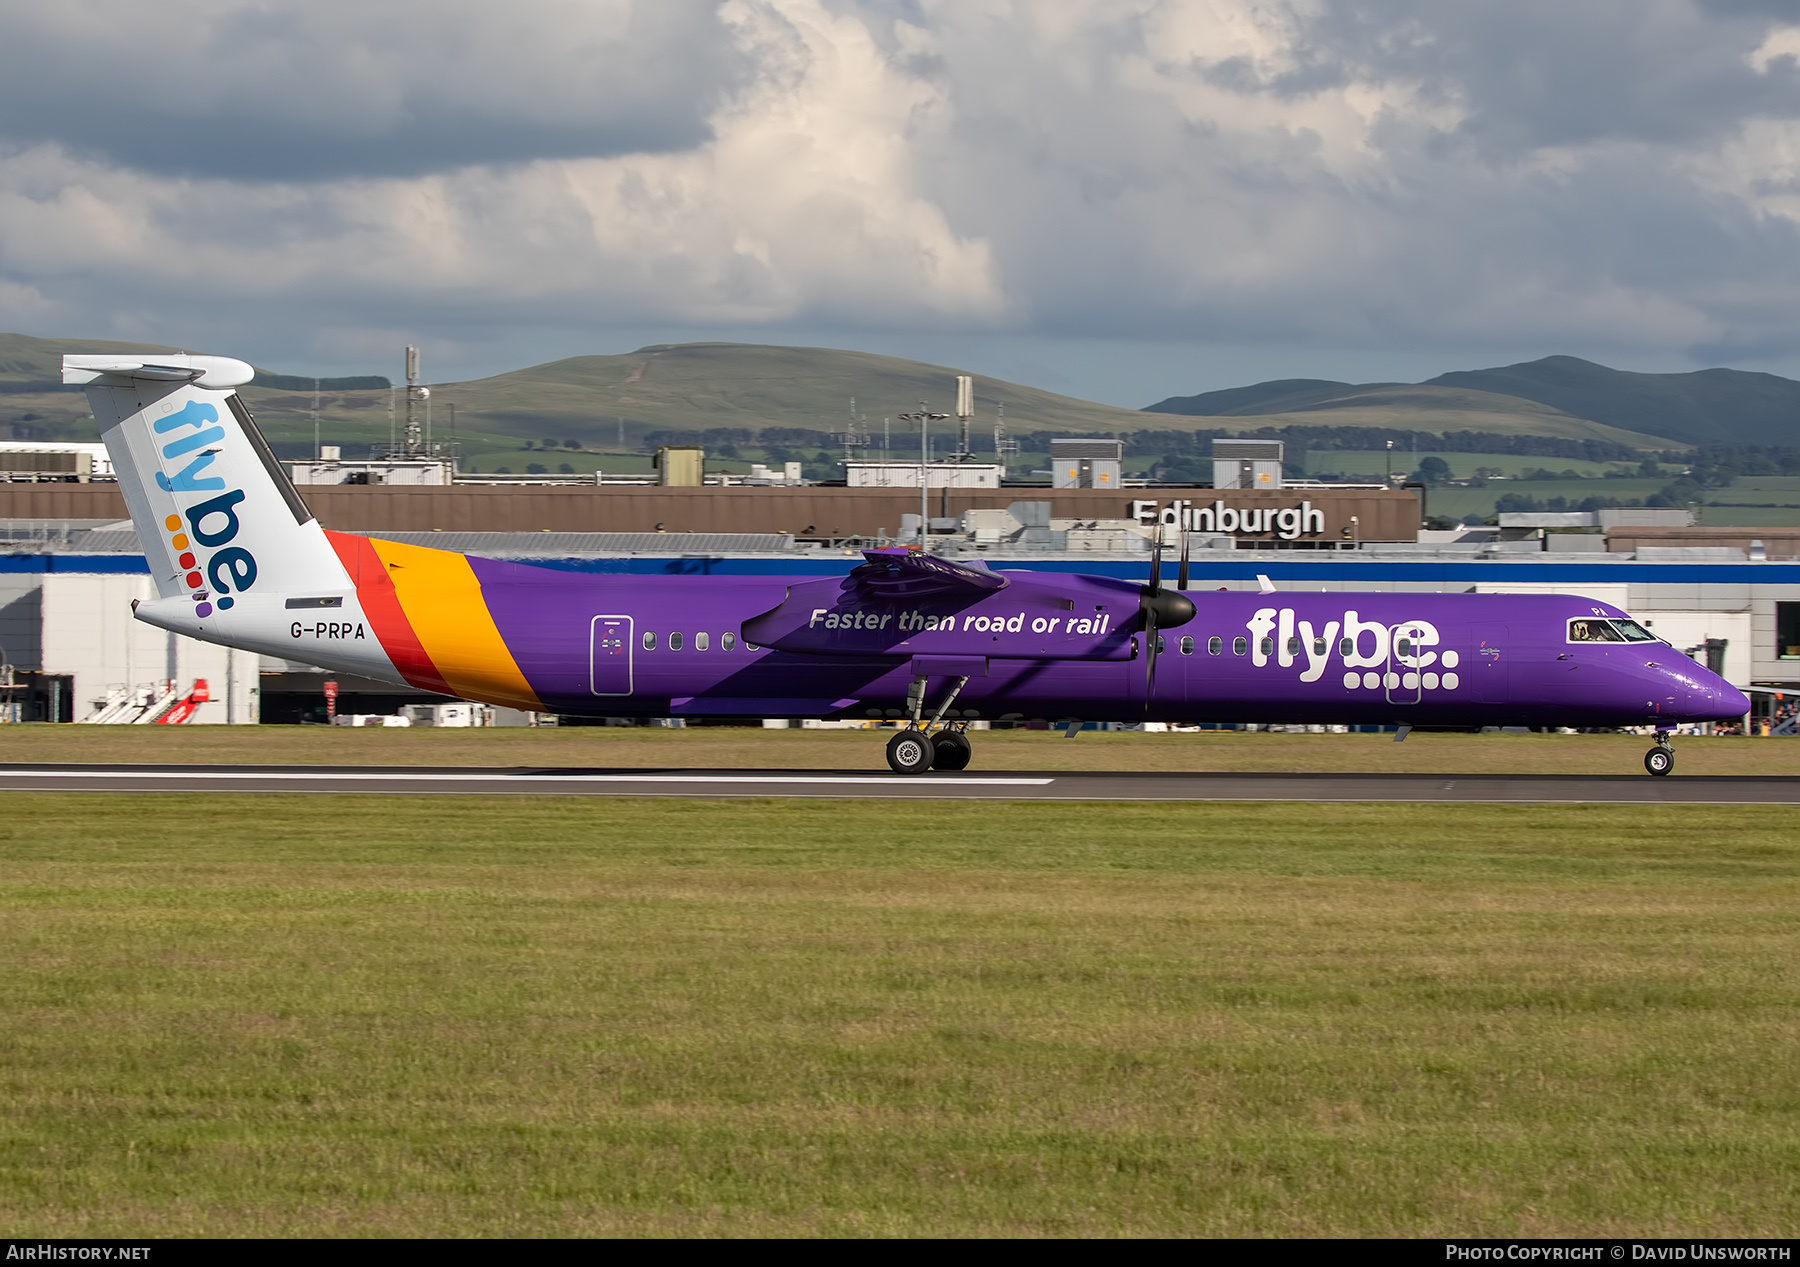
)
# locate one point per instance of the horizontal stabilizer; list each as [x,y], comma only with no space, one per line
[217,372]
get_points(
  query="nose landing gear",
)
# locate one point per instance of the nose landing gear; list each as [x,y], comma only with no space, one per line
[1660,759]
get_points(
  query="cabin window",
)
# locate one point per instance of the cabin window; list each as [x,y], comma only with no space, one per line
[1318,646]
[1346,647]
[1268,646]
[1239,646]
[675,642]
[649,641]
[1293,646]
[727,641]
[701,642]
[1403,647]
[1215,645]
[751,646]
[1589,629]
[1161,646]
[1187,646]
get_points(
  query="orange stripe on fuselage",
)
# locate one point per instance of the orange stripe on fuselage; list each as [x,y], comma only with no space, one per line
[381,604]
[441,599]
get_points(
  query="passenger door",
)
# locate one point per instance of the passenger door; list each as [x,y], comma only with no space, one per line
[1401,677]
[609,655]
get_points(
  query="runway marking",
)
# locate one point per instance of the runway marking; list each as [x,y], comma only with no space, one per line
[296,776]
[1042,786]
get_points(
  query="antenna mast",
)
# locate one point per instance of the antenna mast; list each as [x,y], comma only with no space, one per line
[965,410]
[414,394]
[1003,447]
[853,439]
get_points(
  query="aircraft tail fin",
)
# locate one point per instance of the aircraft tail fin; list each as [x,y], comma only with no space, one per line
[214,511]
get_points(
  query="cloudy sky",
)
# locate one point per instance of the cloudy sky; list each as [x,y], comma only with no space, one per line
[1121,199]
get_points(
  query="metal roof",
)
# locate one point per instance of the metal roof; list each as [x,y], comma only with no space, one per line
[1079,447]
[560,544]
[1255,450]
[116,539]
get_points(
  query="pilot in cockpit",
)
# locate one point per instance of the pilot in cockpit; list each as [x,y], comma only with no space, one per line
[1593,631]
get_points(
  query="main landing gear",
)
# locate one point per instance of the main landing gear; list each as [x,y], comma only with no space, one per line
[919,747]
[1660,759]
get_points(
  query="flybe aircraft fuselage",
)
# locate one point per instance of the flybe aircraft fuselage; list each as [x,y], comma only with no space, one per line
[1051,646]
[240,561]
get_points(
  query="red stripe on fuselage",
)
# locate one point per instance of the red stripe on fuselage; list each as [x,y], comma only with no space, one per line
[381,604]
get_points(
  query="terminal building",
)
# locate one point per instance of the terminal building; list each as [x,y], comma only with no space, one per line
[70,563]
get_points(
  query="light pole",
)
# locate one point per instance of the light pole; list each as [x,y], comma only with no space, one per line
[924,417]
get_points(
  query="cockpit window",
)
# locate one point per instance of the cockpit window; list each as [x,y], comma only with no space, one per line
[1634,632]
[1593,629]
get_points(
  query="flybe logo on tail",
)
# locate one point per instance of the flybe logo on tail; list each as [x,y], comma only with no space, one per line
[211,525]
[196,413]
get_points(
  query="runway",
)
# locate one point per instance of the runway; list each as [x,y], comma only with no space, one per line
[1622,789]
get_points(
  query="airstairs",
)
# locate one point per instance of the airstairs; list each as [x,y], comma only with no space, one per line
[148,703]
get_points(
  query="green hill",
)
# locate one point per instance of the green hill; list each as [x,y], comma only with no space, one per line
[673,388]
[1276,396]
[29,365]
[730,393]
[1397,406]
[700,386]
[1703,407]
[1558,395]
[34,403]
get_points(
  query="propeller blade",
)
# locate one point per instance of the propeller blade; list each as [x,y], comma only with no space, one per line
[1150,644]
[1181,576]
[1156,547]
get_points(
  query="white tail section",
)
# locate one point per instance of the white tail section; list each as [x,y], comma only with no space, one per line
[217,516]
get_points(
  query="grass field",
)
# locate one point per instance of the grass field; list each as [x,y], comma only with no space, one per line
[1463,466]
[282,1015]
[755,748]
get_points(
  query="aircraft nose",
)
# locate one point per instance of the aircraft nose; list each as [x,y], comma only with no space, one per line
[1697,694]
[1715,700]
[1729,702]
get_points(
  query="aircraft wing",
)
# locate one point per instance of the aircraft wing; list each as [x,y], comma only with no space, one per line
[901,603]
[907,574]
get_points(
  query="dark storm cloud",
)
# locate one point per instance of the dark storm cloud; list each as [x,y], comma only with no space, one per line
[1536,73]
[338,88]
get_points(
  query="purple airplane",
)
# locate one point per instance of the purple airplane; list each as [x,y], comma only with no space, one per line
[240,561]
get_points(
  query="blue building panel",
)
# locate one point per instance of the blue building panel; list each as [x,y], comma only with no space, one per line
[1298,567]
